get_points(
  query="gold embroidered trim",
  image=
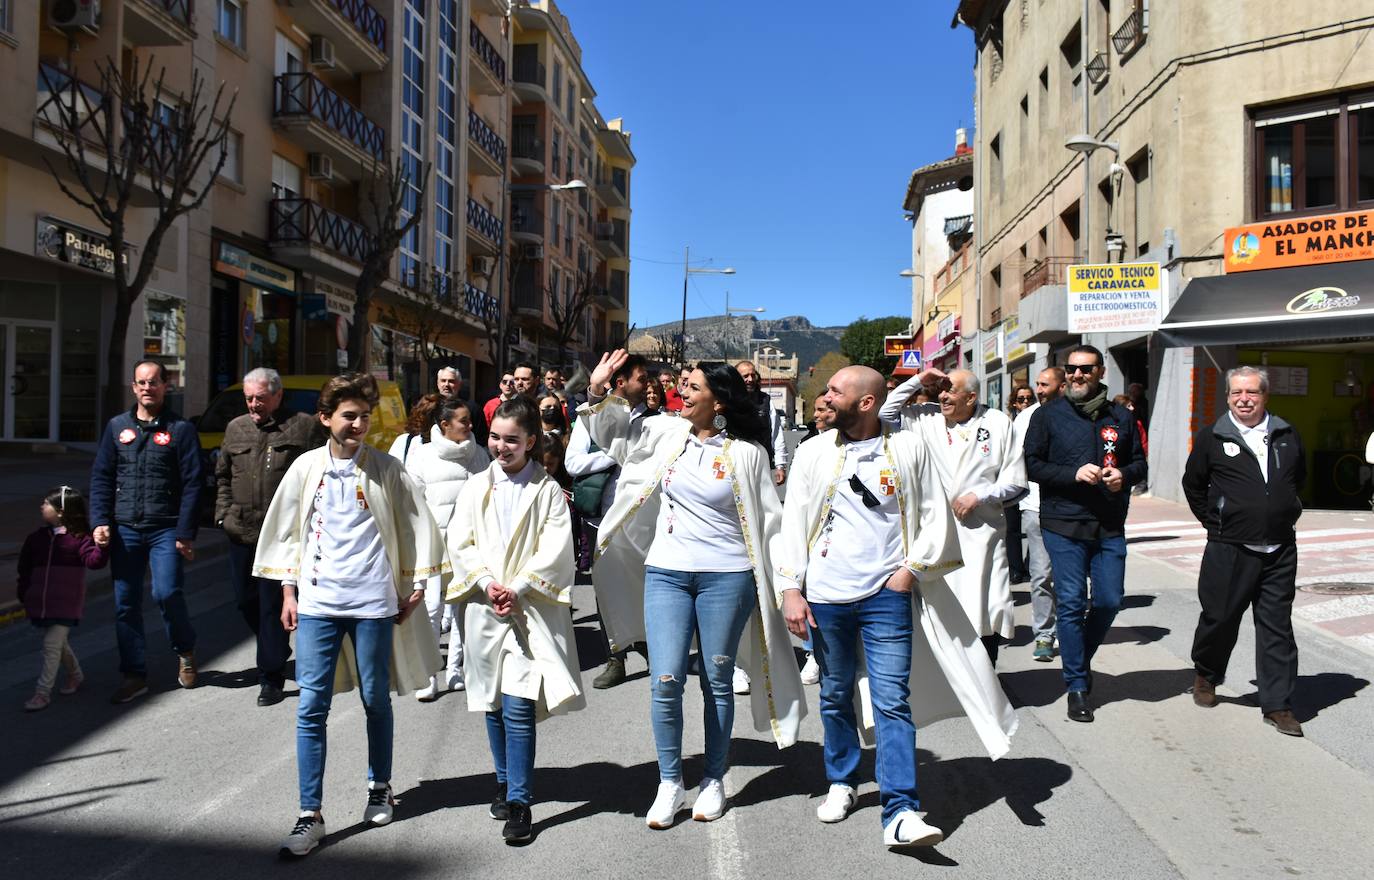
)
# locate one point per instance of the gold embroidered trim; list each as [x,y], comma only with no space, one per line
[644,495]
[561,595]
[594,408]
[272,573]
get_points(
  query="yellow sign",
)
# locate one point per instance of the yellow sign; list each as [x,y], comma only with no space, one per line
[1115,297]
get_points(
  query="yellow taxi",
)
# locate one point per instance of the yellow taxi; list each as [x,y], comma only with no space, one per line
[302,393]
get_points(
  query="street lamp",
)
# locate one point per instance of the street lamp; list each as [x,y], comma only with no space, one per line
[737,310]
[1087,145]
[687,272]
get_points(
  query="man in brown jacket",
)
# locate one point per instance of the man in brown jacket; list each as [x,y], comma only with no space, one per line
[257,450]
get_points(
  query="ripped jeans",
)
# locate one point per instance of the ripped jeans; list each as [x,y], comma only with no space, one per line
[714,606]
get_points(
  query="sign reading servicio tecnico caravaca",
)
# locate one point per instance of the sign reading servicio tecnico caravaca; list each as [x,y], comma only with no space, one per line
[1115,297]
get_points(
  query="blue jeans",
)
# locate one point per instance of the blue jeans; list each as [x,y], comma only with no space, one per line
[883,622]
[714,606]
[1082,625]
[318,640]
[510,731]
[132,552]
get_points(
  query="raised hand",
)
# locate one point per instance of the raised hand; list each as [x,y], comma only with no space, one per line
[600,381]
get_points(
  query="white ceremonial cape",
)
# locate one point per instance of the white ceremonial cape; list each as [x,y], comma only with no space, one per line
[532,653]
[412,542]
[991,456]
[777,702]
[951,674]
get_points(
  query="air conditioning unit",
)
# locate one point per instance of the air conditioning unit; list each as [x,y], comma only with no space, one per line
[481,265]
[532,252]
[321,52]
[75,15]
[321,167]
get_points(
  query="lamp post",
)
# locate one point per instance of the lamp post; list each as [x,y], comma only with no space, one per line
[912,273]
[735,311]
[687,273]
[1087,145]
[501,308]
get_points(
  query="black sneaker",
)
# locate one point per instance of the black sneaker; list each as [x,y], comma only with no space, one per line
[498,809]
[517,827]
[269,695]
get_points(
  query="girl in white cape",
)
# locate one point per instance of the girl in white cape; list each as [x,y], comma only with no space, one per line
[511,534]
[443,466]
[694,511]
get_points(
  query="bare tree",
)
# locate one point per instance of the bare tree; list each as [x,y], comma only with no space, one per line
[567,310]
[431,314]
[120,141]
[383,189]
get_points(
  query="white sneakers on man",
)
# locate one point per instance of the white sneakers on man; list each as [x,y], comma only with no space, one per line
[710,802]
[811,670]
[907,828]
[838,803]
[671,800]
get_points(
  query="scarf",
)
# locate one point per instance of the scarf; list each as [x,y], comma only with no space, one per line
[1093,406]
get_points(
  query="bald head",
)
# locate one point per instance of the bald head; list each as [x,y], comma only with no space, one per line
[964,381]
[1049,384]
[855,394]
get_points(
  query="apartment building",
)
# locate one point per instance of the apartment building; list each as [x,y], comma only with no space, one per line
[1190,121]
[570,200]
[264,273]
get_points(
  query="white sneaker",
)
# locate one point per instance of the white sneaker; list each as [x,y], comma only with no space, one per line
[456,683]
[811,671]
[430,693]
[907,828]
[380,804]
[838,803]
[304,837]
[710,802]
[741,682]
[671,800]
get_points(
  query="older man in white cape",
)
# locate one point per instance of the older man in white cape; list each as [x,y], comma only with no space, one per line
[982,466]
[865,520]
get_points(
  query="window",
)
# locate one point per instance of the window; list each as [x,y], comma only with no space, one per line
[571,155]
[1316,156]
[233,157]
[1072,50]
[554,274]
[557,83]
[7,16]
[414,140]
[568,226]
[1138,168]
[557,153]
[286,178]
[228,21]
[557,213]
[995,165]
[572,102]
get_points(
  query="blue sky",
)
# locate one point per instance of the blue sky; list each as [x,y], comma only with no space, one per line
[776,138]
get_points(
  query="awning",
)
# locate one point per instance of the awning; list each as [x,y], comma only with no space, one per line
[1302,304]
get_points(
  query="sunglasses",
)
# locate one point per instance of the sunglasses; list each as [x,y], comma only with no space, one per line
[857,486]
[507,381]
[1086,369]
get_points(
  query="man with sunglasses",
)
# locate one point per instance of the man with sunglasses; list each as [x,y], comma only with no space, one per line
[865,519]
[978,457]
[506,393]
[1086,454]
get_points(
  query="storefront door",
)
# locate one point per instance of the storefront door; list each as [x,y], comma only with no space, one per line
[29,360]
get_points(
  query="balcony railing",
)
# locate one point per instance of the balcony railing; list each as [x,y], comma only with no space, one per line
[367,20]
[529,70]
[179,9]
[304,94]
[483,48]
[303,222]
[527,293]
[526,216]
[1131,34]
[478,302]
[482,135]
[484,221]
[526,144]
[63,97]
[1046,270]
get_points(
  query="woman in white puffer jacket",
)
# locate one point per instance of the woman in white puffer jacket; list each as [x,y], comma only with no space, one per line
[442,466]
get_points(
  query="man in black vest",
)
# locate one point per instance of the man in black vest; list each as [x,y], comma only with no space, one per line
[1242,482]
[764,404]
[145,498]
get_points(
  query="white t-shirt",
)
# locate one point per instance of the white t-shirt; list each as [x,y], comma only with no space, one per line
[859,546]
[1257,438]
[1020,424]
[346,572]
[698,523]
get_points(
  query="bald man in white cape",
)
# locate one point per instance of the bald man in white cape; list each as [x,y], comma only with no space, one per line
[866,544]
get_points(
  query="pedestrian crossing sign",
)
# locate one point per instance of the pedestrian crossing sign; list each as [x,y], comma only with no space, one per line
[911,359]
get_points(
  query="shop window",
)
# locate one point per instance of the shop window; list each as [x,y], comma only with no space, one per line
[269,343]
[1314,157]
[164,340]
[79,385]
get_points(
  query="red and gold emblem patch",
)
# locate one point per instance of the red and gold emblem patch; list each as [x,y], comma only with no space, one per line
[162,438]
[127,436]
[718,467]
[887,482]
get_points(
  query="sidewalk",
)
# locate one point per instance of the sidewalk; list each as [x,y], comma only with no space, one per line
[25,477]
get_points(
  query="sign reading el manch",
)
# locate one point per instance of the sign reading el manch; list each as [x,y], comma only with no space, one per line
[1300,241]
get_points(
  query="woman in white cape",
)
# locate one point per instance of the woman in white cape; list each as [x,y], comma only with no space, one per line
[511,535]
[694,511]
[442,466]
